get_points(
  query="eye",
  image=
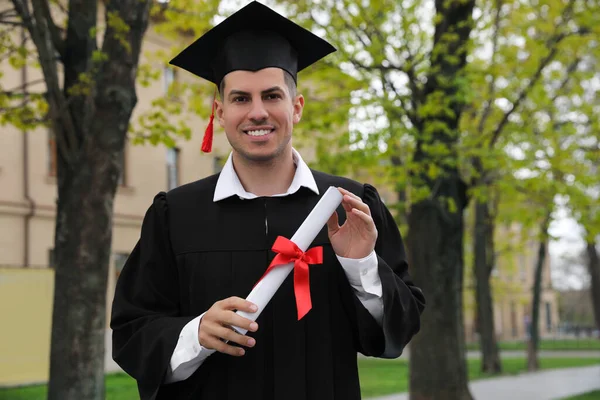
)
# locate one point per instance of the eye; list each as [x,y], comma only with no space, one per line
[273,96]
[239,99]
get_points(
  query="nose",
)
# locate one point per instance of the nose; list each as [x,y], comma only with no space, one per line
[258,111]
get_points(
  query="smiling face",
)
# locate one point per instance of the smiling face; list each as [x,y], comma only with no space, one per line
[258,113]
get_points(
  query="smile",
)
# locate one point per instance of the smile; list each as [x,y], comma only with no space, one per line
[259,132]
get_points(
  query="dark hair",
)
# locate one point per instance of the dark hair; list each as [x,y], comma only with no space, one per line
[287,77]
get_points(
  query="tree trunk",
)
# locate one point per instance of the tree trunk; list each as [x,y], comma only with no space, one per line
[438,363]
[594,270]
[484,263]
[87,182]
[82,245]
[532,346]
[438,368]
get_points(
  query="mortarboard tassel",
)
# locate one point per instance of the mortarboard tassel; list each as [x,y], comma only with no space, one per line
[208,133]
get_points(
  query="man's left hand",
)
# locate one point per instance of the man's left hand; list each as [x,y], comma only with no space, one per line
[356,237]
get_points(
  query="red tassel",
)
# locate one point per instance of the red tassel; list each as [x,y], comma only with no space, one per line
[208,133]
[208,136]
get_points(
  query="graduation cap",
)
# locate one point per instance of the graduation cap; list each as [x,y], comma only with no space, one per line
[253,38]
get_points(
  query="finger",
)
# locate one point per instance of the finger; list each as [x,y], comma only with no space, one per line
[222,347]
[230,318]
[346,204]
[230,335]
[365,218]
[225,334]
[348,193]
[357,203]
[209,340]
[237,303]
[333,223]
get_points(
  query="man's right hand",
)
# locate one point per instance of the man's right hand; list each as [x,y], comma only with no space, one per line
[216,326]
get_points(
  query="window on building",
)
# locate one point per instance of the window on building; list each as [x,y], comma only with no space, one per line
[51,153]
[522,267]
[513,319]
[548,317]
[168,78]
[172,168]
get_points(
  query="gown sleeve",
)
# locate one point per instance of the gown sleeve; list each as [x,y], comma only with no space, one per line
[403,302]
[146,318]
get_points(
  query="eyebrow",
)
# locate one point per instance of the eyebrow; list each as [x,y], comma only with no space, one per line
[266,91]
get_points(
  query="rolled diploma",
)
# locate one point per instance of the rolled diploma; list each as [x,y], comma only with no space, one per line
[264,291]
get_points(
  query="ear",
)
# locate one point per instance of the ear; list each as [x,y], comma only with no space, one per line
[298,107]
[219,112]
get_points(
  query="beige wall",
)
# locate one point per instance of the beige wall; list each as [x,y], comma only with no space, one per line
[25,309]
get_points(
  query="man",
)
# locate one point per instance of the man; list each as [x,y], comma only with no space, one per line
[204,246]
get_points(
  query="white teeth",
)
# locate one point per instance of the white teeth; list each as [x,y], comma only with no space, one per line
[261,132]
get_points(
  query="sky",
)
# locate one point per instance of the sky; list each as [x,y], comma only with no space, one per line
[570,243]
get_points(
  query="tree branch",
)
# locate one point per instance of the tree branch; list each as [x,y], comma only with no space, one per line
[417,91]
[57,40]
[411,114]
[492,86]
[11,23]
[21,88]
[56,101]
[553,44]
[8,54]
[8,13]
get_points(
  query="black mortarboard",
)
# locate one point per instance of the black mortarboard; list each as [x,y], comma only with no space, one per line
[253,38]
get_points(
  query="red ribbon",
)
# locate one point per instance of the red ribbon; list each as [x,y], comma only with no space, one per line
[288,252]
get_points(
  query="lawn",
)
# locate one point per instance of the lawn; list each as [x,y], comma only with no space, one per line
[378,377]
[548,344]
[595,395]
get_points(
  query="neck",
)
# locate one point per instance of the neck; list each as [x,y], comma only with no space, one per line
[265,178]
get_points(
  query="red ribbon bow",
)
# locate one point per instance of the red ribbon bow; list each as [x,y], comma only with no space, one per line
[287,252]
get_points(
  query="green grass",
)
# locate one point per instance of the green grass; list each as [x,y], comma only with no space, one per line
[118,387]
[595,395]
[381,377]
[378,377]
[548,344]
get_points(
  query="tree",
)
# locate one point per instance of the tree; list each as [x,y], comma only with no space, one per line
[594,271]
[89,111]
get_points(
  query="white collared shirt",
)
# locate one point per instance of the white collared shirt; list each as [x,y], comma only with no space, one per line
[229,184]
[362,273]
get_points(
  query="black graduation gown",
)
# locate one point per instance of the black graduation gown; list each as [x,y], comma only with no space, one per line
[194,252]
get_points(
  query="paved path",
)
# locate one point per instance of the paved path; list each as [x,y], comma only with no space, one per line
[543,385]
[474,354]
[541,354]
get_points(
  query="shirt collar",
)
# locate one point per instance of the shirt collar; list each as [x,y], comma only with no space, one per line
[229,184]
